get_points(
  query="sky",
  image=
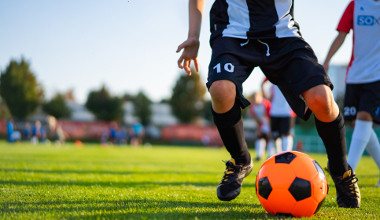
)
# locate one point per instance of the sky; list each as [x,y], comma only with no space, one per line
[129,45]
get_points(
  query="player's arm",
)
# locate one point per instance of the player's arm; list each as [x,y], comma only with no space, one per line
[191,45]
[255,117]
[345,24]
[258,123]
[337,43]
[264,91]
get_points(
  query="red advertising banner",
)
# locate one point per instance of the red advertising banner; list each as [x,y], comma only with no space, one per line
[208,135]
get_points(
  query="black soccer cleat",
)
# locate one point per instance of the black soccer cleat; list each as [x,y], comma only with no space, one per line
[230,185]
[347,190]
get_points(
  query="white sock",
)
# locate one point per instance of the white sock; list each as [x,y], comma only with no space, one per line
[373,148]
[284,143]
[257,147]
[287,143]
[260,148]
[360,138]
[277,142]
[270,149]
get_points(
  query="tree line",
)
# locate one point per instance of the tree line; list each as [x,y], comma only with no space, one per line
[21,95]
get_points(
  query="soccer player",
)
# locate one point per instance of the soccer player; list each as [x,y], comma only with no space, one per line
[253,33]
[259,110]
[281,118]
[362,98]
[10,130]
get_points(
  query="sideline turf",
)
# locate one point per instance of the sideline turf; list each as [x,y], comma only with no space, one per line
[158,182]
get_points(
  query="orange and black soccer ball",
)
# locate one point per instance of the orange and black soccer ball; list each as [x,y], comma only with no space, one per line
[291,183]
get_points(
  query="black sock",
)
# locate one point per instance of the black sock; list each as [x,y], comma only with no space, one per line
[230,127]
[333,135]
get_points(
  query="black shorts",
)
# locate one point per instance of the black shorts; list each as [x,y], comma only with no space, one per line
[289,63]
[362,97]
[263,136]
[280,126]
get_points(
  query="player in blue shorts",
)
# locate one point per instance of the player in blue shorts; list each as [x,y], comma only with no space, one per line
[254,33]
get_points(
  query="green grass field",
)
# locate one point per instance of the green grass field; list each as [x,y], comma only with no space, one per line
[94,182]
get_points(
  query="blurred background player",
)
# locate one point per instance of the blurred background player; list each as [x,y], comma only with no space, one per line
[362,98]
[60,135]
[36,132]
[281,117]
[138,134]
[259,110]
[113,133]
[10,130]
[27,132]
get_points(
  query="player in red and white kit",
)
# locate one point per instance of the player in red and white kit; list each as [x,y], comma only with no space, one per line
[259,110]
[281,118]
[362,99]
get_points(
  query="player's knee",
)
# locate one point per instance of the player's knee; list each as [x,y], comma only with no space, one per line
[223,91]
[321,102]
[364,116]
[319,98]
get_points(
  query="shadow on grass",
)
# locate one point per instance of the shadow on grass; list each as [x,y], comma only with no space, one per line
[141,209]
[124,184]
[102,172]
[103,184]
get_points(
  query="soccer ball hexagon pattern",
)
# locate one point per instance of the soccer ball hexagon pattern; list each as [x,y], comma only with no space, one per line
[291,183]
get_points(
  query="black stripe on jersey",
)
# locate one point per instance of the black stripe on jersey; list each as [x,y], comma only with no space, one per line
[263,17]
[218,18]
[295,23]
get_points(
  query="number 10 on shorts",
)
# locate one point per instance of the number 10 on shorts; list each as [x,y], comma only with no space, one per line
[227,67]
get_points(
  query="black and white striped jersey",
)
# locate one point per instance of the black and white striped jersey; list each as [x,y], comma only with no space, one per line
[253,19]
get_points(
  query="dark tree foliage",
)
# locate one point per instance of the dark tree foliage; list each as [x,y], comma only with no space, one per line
[57,107]
[4,111]
[187,99]
[165,101]
[127,97]
[104,106]
[19,89]
[142,108]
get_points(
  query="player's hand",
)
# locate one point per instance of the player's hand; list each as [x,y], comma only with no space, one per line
[190,52]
